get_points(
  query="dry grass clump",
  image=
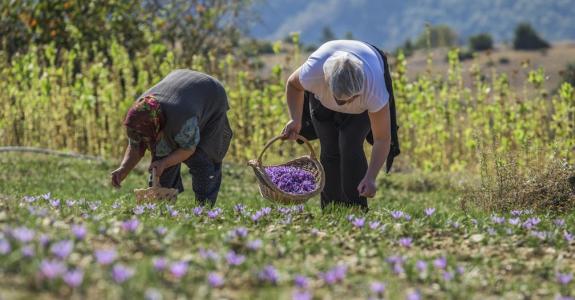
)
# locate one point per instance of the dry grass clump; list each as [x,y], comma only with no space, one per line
[547,185]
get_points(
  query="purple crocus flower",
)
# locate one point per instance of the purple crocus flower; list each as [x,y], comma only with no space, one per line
[121,273]
[138,210]
[497,220]
[559,297]
[239,208]
[421,266]
[414,295]
[374,225]
[5,247]
[460,270]
[235,259]
[564,278]
[198,210]
[266,210]
[398,269]
[254,245]
[153,294]
[256,216]
[160,263]
[240,232]
[301,281]
[335,274]
[301,295]
[516,213]
[79,231]
[73,278]
[429,211]
[179,269]
[350,217]
[291,179]
[395,259]
[28,251]
[150,206]
[208,254]
[62,249]
[214,213]
[514,221]
[55,202]
[23,234]
[568,236]
[105,256]
[491,231]
[215,280]
[440,262]
[358,222]
[559,222]
[405,242]
[44,239]
[47,196]
[377,287]
[407,217]
[29,199]
[397,214]
[269,274]
[161,230]
[52,268]
[542,235]
[447,276]
[130,225]
[70,203]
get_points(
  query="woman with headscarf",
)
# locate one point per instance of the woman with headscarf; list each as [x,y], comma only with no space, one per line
[344,82]
[182,119]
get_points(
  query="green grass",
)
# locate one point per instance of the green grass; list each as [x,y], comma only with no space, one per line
[498,265]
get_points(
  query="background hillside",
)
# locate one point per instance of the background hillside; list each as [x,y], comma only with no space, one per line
[390,23]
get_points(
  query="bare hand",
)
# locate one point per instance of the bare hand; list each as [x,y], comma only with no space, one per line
[366,188]
[291,130]
[159,165]
[118,176]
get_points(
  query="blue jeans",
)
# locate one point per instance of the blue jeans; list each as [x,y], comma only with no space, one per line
[206,177]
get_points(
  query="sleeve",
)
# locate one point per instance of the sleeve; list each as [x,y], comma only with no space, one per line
[378,95]
[311,72]
[189,135]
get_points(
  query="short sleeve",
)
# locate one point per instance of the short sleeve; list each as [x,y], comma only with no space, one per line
[189,135]
[311,72]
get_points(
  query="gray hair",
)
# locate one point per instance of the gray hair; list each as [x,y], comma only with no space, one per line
[344,74]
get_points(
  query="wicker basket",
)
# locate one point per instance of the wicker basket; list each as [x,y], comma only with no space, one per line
[271,192]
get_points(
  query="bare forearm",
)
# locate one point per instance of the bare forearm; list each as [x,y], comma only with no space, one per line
[295,103]
[132,157]
[178,156]
[379,154]
[294,97]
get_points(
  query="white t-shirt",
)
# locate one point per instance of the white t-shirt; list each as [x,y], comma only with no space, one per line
[374,96]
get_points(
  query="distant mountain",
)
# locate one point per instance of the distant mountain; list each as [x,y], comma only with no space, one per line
[389,23]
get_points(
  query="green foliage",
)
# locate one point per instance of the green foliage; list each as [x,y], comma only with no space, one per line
[481,42]
[526,38]
[436,36]
[188,27]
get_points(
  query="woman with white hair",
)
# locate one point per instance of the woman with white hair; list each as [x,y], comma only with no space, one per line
[348,88]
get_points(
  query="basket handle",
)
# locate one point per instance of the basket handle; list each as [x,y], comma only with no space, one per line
[299,137]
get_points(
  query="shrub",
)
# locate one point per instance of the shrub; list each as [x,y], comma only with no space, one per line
[481,42]
[526,38]
[507,185]
[568,75]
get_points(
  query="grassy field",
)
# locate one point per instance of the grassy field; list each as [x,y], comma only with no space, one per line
[58,214]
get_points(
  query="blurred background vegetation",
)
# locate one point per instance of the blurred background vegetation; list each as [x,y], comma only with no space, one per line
[70,70]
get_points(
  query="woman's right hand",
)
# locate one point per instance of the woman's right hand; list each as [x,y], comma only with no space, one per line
[118,176]
[291,130]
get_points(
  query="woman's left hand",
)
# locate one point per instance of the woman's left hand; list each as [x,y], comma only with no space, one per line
[366,188]
[159,165]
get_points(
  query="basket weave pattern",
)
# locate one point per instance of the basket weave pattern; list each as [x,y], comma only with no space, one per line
[308,163]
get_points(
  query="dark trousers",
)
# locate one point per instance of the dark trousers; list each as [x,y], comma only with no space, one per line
[341,137]
[206,177]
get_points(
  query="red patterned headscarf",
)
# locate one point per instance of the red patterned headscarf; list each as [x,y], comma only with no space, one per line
[144,121]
